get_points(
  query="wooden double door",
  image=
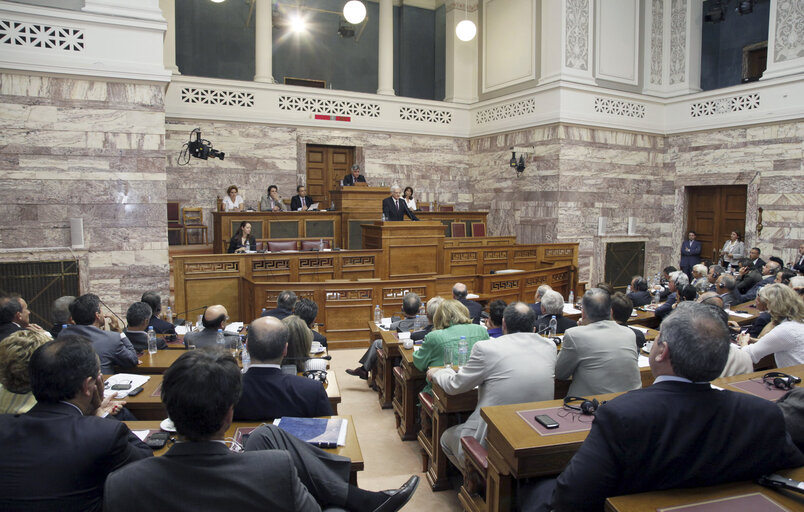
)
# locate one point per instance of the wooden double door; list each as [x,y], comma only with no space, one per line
[713,213]
[326,167]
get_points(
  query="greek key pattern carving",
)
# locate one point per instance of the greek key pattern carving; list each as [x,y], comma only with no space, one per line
[315,262]
[266,265]
[349,295]
[329,106]
[217,97]
[271,296]
[557,253]
[678,41]
[357,261]
[619,108]
[429,115]
[399,292]
[535,282]
[526,254]
[209,268]
[463,256]
[500,112]
[656,41]
[33,35]
[563,276]
[504,285]
[495,255]
[725,105]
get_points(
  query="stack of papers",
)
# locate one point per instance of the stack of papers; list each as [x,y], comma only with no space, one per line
[136,381]
[569,309]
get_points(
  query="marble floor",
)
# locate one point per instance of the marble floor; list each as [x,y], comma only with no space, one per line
[389,461]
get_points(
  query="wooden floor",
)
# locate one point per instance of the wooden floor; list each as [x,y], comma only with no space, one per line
[388,460]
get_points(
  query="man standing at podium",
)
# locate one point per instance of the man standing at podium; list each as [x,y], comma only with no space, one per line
[353,177]
[394,207]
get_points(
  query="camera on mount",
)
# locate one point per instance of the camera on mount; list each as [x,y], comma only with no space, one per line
[202,148]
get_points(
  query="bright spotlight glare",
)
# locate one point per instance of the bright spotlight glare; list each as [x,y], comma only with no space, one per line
[297,23]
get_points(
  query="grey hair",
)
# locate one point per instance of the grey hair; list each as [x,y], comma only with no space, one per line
[354,166]
[540,291]
[679,278]
[700,268]
[432,306]
[61,309]
[553,303]
[396,187]
[597,304]
[728,282]
[698,340]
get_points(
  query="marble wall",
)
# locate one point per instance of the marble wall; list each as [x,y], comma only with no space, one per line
[91,149]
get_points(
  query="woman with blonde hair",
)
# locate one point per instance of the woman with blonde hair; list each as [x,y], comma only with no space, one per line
[15,353]
[451,322]
[300,341]
[786,339]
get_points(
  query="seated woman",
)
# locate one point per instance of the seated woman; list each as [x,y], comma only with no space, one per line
[300,341]
[15,353]
[242,241]
[451,322]
[407,195]
[786,339]
[232,202]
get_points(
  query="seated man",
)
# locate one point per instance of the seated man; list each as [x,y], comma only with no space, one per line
[600,356]
[137,318]
[301,202]
[514,368]
[748,276]
[537,298]
[410,307]
[459,293]
[769,271]
[14,315]
[679,432]
[430,309]
[160,326]
[353,177]
[113,348]
[494,323]
[58,454]
[677,281]
[552,305]
[284,305]
[271,201]
[61,314]
[725,287]
[276,471]
[307,310]
[214,318]
[268,393]
[621,308]
[639,292]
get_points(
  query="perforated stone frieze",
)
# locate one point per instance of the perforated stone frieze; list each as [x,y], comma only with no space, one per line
[508,110]
[329,106]
[430,115]
[33,35]
[725,105]
[217,97]
[619,108]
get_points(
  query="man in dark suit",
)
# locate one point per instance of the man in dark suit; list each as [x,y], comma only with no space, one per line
[276,471]
[268,393]
[537,298]
[353,177]
[137,317]
[678,280]
[639,295]
[753,255]
[768,276]
[284,305]
[690,254]
[552,305]
[307,310]
[160,326]
[113,348]
[301,201]
[395,208]
[57,455]
[726,287]
[798,263]
[214,318]
[621,309]
[14,315]
[459,293]
[679,432]
[748,276]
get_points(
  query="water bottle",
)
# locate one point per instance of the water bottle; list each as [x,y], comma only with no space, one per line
[232,343]
[151,341]
[656,297]
[383,217]
[246,358]
[463,351]
[553,327]
[219,340]
[169,315]
[332,205]
[320,244]
[377,314]
[628,290]
[571,299]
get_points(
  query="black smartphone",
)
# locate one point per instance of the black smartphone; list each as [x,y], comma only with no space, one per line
[136,391]
[546,421]
[121,386]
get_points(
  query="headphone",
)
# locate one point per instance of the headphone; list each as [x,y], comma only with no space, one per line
[587,406]
[319,375]
[780,380]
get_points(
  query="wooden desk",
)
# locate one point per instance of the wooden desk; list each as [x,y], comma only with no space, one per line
[268,225]
[651,501]
[350,450]
[154,364]
[648,318]
[408,383]
[146,406]
[408,249]
[725,382]
[385,367]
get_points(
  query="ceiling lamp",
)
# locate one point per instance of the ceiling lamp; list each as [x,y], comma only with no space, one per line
[354,11]
[465,30]
[217,1]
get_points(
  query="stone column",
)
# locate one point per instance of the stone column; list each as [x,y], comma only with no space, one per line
[567,29]
[169,13]
[142,9]
[785,40]
[385,68]
[461,56]
[263,50]
[672,60]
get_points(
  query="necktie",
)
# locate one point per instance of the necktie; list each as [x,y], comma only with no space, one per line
[397,205]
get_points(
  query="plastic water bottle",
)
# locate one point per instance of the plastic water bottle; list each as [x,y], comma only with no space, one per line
[383,217]
[320,244]
[628,289]
[151,341]
[571,299]
[169,315]
[245,357]
[463,351]
[656,297]
[377,314]
[553,327]
[219,340]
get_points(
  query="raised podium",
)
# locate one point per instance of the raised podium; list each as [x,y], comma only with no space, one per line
[408,248]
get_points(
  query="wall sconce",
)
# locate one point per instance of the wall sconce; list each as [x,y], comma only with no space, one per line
[519,165]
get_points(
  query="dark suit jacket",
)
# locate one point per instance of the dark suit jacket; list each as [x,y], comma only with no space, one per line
[296,202]
[279,313]
[205,338]
[758,264]
[666,308]
[752,293]
[419,335]
[111,348]
[690,257]
[317,336]
[674,434]
[640,298]
[747,281]
[798,264]
[537,308]
[237,242]
[391,213]
[543,321]
[207,476]
[54,458]
[640,337]
[759,323]
[269,394]
[161,327]
[8,329]
[348,180]
[139,340]
[474,309]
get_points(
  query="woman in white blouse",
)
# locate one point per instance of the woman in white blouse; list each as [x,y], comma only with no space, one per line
[786,339]
[232,202]
[732,250]
[407,195]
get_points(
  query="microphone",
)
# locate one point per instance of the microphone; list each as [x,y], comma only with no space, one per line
[122,323]
[176,317]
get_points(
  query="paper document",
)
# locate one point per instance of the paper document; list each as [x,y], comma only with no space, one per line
[120,378]
[234,327]
[181,330]
[569,309]
[142,434]
[643,361]
[740,314]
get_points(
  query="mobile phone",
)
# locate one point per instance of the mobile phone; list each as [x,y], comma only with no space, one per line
[136,391]
[122,386]
[546,421]
[157,440]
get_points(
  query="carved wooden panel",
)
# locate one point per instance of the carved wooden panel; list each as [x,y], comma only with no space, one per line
[271,296]
[530,253]
[463,256]
[399,292]
[315,263]
[353,261]
[504,285]
[535,281]
[266,265]
[349,294]
[558,252]
[495,255]
[211,267]
[563,276]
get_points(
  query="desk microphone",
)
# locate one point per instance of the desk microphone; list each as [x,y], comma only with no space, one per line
[176,317]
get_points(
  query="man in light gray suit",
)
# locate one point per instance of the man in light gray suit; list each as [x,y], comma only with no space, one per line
[214,318]
[514,368]
[600,356]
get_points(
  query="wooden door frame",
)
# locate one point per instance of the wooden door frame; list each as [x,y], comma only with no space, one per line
[301,154]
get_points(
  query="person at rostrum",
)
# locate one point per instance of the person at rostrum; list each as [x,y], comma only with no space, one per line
[137,317]
[514,368]
[301,202]
[678,432]
[690,254]
[272,202]
[58,455]
[268,393]
[407,195]
[353,177]
[233,202]
[276,471]
[394,208]
[243,240]
[214,318]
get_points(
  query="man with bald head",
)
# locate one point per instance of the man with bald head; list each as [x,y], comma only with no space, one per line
[268,393]
[459,293]
[214,318]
